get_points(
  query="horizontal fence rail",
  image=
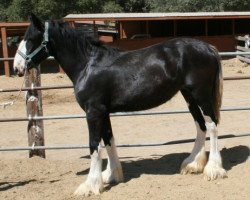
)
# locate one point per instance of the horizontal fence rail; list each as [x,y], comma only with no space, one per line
[119,146]
[12,58]
[71,86]
[120,114]
[232,54]
[38,88]
[222,54]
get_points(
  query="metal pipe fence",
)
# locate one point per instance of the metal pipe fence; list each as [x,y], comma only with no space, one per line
[120,114]
[71,86]
[142,113]
[222,54]
[81,146]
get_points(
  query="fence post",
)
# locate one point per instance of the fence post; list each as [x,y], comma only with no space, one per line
[34,108]
[5,51]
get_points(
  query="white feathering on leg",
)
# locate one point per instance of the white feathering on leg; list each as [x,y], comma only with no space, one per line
[213,169]
[196,161]
[113,172]
[94,182]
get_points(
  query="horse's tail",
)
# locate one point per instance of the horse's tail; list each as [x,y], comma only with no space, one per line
[218,86]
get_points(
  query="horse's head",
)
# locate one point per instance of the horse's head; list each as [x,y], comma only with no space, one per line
[33,48]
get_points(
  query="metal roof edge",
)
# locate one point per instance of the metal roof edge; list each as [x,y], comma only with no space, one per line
[123,16]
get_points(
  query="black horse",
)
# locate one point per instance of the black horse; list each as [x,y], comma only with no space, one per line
[108,80]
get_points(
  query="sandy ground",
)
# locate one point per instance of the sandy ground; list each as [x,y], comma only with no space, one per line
[150,172]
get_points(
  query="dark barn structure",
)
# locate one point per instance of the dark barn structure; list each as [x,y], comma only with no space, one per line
[137,30]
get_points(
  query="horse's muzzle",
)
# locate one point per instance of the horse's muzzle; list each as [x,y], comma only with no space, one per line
[19,72]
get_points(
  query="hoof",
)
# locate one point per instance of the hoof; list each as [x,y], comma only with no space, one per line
[87,188]
[116,176]
[193,166]
[212,172]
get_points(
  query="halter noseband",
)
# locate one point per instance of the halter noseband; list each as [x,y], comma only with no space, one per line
[40,53]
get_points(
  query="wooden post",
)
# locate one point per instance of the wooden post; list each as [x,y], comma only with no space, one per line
[147,27]
[34,108]
[5,51]
[206,27]
[61,70]
[95,30]
[121,33]
[175,28]
[233,26]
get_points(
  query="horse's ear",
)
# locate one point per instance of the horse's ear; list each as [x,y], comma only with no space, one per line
[36,22]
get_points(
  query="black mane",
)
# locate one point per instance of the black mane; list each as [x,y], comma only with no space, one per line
[77,38]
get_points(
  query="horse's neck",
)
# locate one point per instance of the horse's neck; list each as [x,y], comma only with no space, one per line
[71,61]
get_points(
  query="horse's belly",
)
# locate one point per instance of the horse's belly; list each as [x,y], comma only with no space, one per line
[142,100]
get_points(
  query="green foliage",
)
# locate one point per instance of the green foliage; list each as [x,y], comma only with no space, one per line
[88,6]
[186,5]
[19,10]
[112,7]
[134,5]
[54,9]
[236,5]
[3,5]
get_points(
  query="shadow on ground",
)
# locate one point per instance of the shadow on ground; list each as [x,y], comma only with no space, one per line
[170,164]
[9,185]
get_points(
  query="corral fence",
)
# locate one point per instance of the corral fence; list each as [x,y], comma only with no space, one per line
[35,118]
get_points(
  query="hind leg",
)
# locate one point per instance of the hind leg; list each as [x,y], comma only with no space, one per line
[213,169]
[202,110]
[196,161]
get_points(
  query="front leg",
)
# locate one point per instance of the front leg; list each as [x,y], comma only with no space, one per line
[113,172]
[94,182]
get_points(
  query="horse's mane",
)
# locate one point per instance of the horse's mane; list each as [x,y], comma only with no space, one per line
[79,38]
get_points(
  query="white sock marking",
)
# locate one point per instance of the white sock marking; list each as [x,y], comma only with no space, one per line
[94,182]
[196,161]
[213,169]
[113,172]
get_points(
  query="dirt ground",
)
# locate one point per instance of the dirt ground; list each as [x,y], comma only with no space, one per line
[150,172]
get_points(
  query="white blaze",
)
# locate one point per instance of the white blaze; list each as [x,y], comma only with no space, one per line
[19,61]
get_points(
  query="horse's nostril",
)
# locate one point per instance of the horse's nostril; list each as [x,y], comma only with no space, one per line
[15,70]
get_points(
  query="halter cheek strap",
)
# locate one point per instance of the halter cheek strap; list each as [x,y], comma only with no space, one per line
[24,56]
[40,53]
